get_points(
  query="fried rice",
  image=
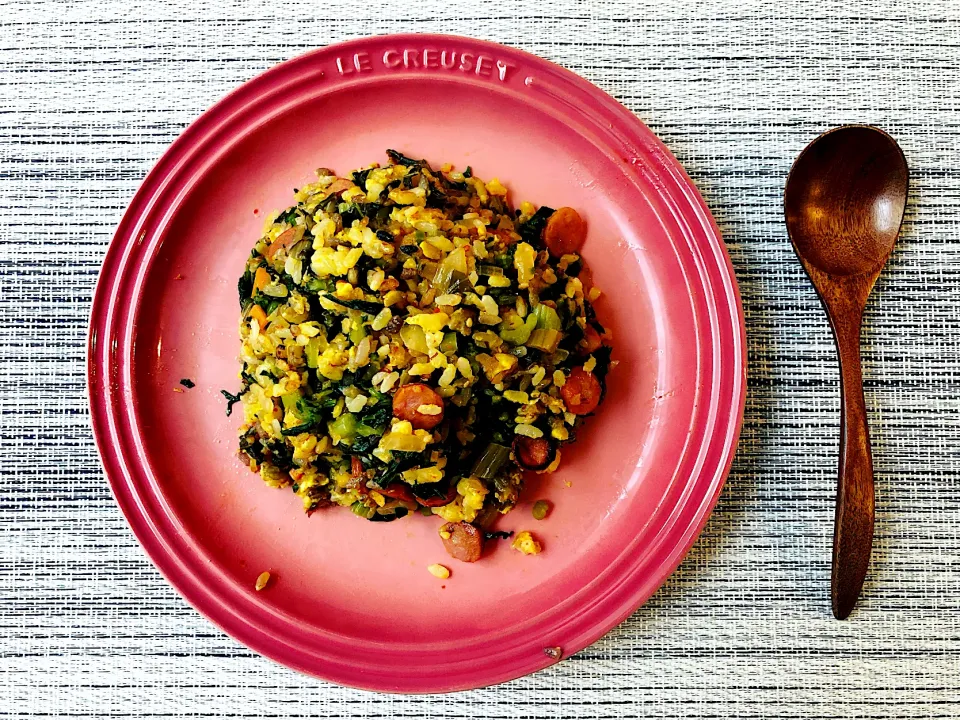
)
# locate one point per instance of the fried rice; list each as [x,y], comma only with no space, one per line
[411,342]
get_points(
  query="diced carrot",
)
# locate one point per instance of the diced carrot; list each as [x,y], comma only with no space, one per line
[260,280]
[581,392]
[257,313]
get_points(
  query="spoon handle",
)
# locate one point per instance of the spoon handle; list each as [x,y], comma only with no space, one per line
[853,532]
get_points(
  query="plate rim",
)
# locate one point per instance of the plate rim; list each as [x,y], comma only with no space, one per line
[104,303]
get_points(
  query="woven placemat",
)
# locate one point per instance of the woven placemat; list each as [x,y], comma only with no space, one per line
[92,92]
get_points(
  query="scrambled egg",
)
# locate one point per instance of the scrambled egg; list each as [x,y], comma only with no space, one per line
[525,543]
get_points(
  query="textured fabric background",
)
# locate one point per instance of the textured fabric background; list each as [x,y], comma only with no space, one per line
[92,92]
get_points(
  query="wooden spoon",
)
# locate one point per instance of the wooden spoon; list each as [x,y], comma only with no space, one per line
[844,204]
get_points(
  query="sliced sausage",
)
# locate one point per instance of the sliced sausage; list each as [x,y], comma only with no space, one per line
[397,491]
[581,392]
[356,467]
[465,542]
[438,500]
[338,186]
[533,453]
[359,478]
[285,240]
[409,398]
[565,232]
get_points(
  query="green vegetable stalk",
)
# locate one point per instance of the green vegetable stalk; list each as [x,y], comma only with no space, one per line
[312,351]
[547,318]
[344,428]
[449,343]
[520,333]
[358,333]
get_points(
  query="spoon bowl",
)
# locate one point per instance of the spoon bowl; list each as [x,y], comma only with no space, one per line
[844,203]
[845,199]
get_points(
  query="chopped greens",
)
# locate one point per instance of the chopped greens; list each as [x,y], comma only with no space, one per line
[231,401]
[245,288]
[401,159]
[532,229]
[288,216]
[370,308]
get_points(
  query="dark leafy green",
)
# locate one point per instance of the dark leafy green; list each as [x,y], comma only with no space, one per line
[314,411]
[251,446]
[360,177]
[602,356]
[589,313]
[364,306]
[402,461]
[531,230]
[431,491]
[573,335]
[378,415]
[436,198]
[364,444]
[297,429]
[231,400]
[245,288]
[552,292]
[505,259]
[358,211]
[401,159]
[504,296]
[268,302]
[281,454]
[288,216]
[397,513]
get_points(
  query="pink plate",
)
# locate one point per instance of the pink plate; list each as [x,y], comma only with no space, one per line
[352,601]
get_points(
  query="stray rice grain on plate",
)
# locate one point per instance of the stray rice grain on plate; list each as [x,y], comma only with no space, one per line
[439,571]
[410,341]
